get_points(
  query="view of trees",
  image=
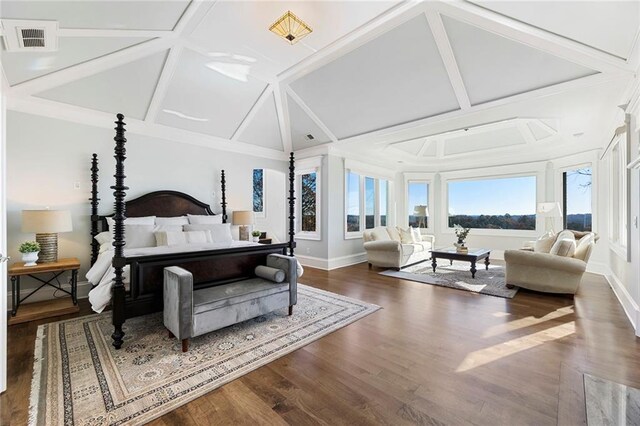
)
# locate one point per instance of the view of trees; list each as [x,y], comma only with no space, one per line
[505,221]
[258,190]
[308,202]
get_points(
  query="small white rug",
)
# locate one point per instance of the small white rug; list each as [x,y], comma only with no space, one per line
[458,276]
[79,378]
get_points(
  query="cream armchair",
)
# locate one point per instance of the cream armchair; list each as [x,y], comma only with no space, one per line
[385,249]
[549,272]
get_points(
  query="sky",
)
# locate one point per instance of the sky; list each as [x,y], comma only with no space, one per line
[578,193]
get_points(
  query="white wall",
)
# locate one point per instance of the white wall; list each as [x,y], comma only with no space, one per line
[45,157]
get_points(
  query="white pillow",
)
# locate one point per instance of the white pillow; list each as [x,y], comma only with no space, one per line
[415,234]
[178,220]
[220,233]
[204,219]
[380,234]
[565,247]
[144,220]
[545,242]
[103,237]
[169,228]
[198,237]
[393,233]
[171,238]
[137,236]
[406,236]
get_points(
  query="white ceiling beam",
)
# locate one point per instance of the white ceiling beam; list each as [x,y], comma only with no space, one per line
[526,132]
[91,67]
[530,35]
[82,32]
[448,58]
[297,99]
[399,131]
[427,143]
[282,109]
[169,68]
[192,16]
[75,114]
[361,35]
[264,96]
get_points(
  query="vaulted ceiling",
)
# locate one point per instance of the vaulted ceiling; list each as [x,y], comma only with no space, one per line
[412,82]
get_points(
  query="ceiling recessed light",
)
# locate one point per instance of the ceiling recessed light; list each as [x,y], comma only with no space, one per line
[290,28]
[310,137]
[577,135]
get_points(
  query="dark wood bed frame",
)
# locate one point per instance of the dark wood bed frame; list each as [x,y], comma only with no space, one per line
[209,267]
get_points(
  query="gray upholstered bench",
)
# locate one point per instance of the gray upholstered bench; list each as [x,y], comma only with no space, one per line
[189,313]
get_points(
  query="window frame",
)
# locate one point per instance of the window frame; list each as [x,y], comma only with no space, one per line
[536,170]
[303,167]
[362,175]
[619,230]
[263,213]
[560,192]
[429,179]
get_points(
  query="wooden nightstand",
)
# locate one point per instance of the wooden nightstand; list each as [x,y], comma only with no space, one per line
[46,308]
[264,240]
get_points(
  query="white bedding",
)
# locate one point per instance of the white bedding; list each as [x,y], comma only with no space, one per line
[102,274]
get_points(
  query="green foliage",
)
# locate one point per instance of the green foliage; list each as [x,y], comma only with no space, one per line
[461,232]
[29,247]
[506,221]
[256,233]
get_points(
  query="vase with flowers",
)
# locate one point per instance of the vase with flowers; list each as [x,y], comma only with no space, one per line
[462,234]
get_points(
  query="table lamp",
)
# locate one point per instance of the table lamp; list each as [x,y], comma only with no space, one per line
[46,224]
[549,210]
[243,218]
[423,213]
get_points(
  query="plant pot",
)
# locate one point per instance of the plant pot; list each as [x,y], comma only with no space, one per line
[30,258]
[255,239]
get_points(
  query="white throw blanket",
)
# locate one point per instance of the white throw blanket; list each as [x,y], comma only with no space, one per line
[102,273]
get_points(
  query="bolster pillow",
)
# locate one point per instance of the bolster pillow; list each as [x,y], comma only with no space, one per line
[271,274]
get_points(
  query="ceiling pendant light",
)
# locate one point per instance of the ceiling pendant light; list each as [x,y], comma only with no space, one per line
[290,27]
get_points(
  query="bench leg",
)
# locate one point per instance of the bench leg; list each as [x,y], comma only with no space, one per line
[185,345]
[290,310]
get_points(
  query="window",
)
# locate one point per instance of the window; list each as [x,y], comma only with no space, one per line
[308,202]
[618,194]
[500,203]
[258,192]
[353,202]
[366,203]
[418,196]
[576,208]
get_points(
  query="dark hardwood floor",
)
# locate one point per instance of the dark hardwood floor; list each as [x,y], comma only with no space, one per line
[431,356]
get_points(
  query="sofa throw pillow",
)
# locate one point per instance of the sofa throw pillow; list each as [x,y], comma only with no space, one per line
[405,236]
[380,234]
[177,220]
[204,219]
[220,232]
[272,274]
[545,242]
[415,234]
[565,247]
[393,232]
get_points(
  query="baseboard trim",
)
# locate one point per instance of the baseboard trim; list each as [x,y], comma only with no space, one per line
[333,263]
[630,307]
[47,293]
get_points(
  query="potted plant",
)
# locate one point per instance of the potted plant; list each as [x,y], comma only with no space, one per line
[29,250]
[256,235]
[462,234]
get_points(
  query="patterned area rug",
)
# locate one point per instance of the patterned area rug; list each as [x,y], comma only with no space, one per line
[79,378]
[491,282]
[610,403]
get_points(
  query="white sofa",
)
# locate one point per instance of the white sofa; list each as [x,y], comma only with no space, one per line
[385,249]
[548,272]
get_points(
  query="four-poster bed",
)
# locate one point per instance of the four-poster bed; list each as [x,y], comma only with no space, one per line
[209,267]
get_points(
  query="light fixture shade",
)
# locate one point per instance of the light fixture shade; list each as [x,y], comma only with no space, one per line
[243,217]
[46,221]
[421,211]
[290,27]
[549,209]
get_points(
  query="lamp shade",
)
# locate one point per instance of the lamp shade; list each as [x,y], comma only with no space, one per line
[421,211]
[243,217]
[551,209]
[46,221]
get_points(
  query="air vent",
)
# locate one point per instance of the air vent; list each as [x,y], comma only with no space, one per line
[310,137]
[29,36]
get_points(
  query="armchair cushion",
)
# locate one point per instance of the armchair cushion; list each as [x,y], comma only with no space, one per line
[564,246]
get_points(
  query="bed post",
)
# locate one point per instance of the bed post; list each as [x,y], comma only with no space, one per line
[95,247]
[118,299]
[223,183]
[292,203]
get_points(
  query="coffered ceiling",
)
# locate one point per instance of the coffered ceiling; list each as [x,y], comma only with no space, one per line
[388,79]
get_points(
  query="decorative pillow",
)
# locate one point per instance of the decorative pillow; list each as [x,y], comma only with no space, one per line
[198,237]
[178,220]
[380,234]
[144,220]
[415,234]
[565,247]
[170,238]
[204,219]
[168,228]
[104,239]
[220,233]
[272,274]
[545,242]
[584,246]
[393,233]
[405,236]
[138,236]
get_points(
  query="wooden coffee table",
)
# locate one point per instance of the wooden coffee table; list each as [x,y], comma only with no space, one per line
[472,256]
